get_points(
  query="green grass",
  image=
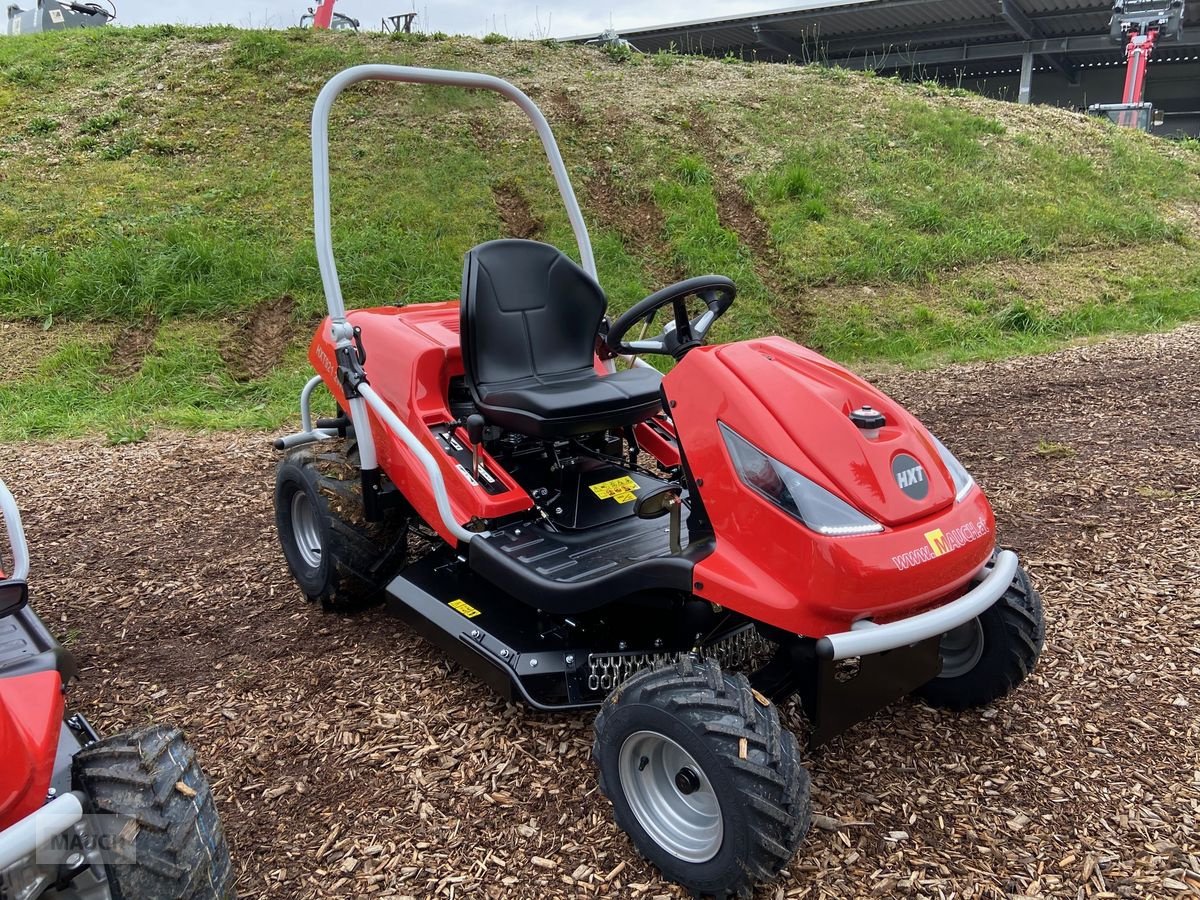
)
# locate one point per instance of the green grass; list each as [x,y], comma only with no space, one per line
[966,322]
[162,174]
[920,189]
[181,383]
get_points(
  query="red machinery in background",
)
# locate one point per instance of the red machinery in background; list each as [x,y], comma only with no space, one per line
[324,17]
[1140,25]
[324,14]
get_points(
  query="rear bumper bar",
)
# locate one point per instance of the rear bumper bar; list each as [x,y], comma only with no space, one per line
[865,637]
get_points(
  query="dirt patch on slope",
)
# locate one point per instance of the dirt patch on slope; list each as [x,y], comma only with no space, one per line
[736,213]
[260,340]
[516,213]
[634,215]
[129,349]
[350,759]
[564,107]
[25,346]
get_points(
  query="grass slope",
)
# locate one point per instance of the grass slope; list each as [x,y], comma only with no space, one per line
[155,193]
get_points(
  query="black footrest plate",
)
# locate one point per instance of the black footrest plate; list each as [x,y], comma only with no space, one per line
[27,646]
[550,660]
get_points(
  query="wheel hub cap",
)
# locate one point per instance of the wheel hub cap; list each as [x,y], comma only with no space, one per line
[687,781]
[306,529]
[671,797]
[961,649]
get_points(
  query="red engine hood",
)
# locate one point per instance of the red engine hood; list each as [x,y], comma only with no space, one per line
[31,712]
[809,399]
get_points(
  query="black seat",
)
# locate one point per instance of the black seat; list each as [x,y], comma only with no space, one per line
[529,321]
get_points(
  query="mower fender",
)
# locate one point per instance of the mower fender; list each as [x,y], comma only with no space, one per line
[408,350]
[31,711]
[794,407]
[770,568]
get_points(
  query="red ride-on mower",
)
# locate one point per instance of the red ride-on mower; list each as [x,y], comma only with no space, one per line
[680,551]
[127,817]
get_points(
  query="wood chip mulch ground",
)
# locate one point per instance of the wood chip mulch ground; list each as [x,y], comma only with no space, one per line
[351,760]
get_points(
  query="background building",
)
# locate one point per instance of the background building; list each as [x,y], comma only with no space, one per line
[1041,51]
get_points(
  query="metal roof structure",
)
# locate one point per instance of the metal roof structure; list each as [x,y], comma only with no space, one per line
[970,38]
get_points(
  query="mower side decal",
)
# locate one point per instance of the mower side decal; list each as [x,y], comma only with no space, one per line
[463,607]
[623,490]
[939,543]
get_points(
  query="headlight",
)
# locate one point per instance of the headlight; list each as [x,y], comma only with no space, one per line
[820,510]
[963,482]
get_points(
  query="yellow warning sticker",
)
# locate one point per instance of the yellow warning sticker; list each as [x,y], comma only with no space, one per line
[623,489]
[463,607]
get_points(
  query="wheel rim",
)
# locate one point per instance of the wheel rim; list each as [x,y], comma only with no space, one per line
[961,648]
[671,796]
[306,529]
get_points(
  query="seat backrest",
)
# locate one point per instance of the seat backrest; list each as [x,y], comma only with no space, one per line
[528,311]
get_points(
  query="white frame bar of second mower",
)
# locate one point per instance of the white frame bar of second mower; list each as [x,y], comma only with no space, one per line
[16,534]
[39,828]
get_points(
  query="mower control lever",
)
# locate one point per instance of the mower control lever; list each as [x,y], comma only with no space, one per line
[667,499]
[475,425]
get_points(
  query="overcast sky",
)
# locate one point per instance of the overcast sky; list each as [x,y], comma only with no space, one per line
[517,18]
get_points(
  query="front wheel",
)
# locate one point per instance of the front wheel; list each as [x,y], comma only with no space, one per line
[986,658]
[702,777]
[155,817]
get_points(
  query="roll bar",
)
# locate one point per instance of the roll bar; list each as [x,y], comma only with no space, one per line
[16,534]
[412,75]
[343,333]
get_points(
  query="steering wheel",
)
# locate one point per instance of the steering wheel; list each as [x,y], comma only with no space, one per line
[681,334]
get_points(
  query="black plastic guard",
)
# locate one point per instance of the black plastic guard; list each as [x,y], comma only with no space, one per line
[839,698]
[571,572]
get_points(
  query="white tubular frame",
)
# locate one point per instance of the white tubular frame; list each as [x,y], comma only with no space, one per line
[39,828]
[320,152]
[343,331]
[308,434]
[16,534]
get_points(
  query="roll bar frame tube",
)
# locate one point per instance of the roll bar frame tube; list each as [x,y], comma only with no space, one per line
[322,212]
[343,332]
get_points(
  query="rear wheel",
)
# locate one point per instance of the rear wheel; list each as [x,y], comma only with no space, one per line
[702,777]
[155,817]
[336,556]
[986,658]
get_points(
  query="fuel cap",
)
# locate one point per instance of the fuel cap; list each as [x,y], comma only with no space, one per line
[868,419]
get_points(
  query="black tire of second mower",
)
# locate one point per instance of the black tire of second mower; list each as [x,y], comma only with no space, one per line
[767,789]
[156,816]
[358,557]
[1014,632]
